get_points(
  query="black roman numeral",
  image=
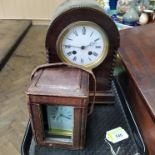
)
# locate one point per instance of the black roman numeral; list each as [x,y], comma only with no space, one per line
[75,58]
[90,59]
[83,30]
[95,54]
[67,46]
[70,39]
[97,39]
[91,34]
[82,61]
[98,46]
[69,53]
[76,34]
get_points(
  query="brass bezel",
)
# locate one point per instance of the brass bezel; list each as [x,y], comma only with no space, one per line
[86,23]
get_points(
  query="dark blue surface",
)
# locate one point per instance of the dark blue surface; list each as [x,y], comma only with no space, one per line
[113,4]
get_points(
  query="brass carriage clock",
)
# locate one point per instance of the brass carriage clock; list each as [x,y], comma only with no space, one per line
[58,104]
[82,34]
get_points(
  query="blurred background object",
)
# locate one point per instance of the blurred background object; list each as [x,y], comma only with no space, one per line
[123,6]
[41,11]
[131,17]
[104,4]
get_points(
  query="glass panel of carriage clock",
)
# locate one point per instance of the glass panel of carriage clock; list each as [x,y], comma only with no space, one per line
[58,123]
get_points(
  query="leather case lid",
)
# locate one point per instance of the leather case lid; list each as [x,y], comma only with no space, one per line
[60,81]
[137,51]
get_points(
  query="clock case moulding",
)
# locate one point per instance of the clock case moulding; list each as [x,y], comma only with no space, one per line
[82,10]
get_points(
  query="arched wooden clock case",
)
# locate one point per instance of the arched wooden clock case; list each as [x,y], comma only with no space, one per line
[81,12]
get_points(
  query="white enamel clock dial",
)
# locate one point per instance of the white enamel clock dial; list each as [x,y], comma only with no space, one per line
[83,43]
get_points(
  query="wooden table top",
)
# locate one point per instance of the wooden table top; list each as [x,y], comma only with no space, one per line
[137,51]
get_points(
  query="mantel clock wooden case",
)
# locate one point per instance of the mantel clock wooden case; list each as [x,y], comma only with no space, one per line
[82,34]
[58,103]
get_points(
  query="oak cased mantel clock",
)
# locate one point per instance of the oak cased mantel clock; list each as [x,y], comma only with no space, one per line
[82,34]
[58,105]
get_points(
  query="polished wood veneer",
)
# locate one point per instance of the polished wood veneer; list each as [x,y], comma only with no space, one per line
[137,52]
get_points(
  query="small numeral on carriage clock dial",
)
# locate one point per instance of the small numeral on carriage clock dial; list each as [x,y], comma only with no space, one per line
[75,58]
[83,30]
[75,33]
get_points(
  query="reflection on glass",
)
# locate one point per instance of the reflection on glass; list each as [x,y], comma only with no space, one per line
[58,122]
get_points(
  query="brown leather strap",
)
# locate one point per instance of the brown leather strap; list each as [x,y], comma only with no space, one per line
[74,66]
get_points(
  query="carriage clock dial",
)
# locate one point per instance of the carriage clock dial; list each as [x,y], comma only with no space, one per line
[60,120]
[83,43]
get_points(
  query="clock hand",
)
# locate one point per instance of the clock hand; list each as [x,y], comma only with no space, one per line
[91,44]
[69,46]
[64,116]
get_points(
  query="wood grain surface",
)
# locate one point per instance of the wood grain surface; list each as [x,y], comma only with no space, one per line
[137,52]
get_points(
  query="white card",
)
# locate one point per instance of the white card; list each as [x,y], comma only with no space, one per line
[116,135]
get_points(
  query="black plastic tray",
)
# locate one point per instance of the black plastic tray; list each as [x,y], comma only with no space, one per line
[103,119]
